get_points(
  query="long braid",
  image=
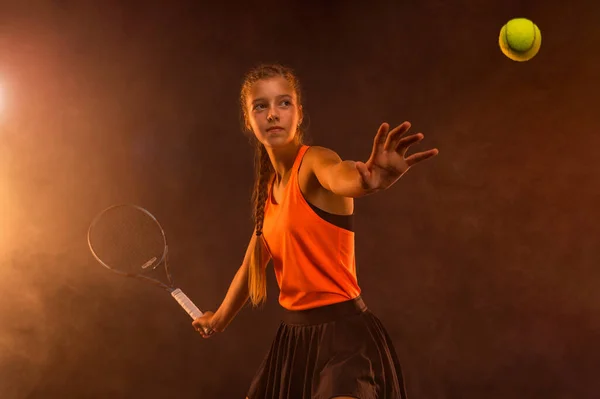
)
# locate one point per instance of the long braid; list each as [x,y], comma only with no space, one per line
[263,168]
[257,278]
[264,171]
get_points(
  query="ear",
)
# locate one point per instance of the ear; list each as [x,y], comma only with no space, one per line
[300,114]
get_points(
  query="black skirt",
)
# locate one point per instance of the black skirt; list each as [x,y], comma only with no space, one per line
[335,350]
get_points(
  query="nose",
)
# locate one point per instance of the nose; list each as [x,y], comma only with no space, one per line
[273,115]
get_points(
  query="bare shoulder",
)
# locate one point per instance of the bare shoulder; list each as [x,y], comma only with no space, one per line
[317,155]
[311,178]
[318,160]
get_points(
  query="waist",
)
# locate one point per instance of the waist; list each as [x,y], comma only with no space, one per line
[325,314]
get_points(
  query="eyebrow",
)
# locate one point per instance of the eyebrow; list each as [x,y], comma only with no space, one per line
[264,99]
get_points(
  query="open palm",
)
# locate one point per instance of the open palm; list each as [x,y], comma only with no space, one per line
[387,162]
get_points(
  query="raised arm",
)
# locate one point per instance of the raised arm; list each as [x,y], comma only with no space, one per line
[384,167]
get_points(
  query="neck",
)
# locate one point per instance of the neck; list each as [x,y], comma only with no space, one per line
[282,159]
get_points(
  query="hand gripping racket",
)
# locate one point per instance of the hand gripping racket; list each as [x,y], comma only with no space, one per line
[129,240]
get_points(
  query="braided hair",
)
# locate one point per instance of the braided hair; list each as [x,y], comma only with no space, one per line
[263,172]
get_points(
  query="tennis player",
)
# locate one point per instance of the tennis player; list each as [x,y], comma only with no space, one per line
[329,344]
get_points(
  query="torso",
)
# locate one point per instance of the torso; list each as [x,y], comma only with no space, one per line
[313,192]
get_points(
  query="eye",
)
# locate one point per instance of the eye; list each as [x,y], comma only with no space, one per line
[258,105]
[286,103]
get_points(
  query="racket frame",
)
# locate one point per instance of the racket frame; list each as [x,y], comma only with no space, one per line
[176,293]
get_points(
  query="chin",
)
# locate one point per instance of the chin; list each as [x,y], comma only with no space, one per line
[277,142]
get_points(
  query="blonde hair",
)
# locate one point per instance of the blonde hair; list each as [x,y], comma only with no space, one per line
[263,172]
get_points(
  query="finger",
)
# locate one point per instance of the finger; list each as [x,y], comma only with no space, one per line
[421,156]
[198,325]
[380,137]
[209,333]
[402,144]
[395,135]
[204,333]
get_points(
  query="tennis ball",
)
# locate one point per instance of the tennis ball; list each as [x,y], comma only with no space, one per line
[520,39]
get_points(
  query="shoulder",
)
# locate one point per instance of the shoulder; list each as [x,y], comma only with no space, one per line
[316,164]
[317,156]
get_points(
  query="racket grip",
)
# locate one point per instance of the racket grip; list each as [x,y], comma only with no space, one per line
[186,303]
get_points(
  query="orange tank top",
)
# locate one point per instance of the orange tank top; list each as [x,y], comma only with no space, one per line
[313,259]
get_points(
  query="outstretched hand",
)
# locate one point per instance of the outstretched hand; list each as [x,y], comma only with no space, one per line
[387,162]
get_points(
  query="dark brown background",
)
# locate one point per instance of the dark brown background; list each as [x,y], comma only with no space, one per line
[482,263]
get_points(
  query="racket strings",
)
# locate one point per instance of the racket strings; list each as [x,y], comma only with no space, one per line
[128,240]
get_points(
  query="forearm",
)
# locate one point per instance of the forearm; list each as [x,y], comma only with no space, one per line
[237,295]
[345,180]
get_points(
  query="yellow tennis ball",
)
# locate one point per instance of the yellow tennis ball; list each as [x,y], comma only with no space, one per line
[520,39]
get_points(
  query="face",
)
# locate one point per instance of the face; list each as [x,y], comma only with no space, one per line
[273,112]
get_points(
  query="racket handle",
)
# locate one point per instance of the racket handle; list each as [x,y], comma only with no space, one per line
[186,303]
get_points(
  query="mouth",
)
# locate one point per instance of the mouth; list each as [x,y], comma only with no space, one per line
[274,129]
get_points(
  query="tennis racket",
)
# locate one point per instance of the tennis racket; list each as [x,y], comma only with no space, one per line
[129,240]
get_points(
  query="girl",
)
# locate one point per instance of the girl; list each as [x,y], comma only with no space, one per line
[329,345]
